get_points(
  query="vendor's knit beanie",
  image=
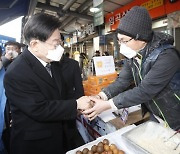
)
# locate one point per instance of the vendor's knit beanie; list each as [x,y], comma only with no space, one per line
[137,24]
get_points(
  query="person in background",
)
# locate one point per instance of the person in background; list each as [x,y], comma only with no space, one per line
[153,63]
[84,65]
[36,92]
[105,53]
[12,50]
[97,53]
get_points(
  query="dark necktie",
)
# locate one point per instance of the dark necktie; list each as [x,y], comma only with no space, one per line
[48,68]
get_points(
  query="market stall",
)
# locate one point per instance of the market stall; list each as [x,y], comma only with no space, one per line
[108,121]
[149,137]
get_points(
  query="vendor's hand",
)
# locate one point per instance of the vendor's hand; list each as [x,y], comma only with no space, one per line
[96,96]
[99,106]
[83,103]
[101,95]
[8,55]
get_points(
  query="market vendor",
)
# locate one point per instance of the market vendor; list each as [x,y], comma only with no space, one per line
[153,63]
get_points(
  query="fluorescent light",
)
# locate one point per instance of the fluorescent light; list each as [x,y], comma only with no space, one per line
[94,9]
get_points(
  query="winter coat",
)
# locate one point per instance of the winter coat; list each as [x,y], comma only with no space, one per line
[157,79]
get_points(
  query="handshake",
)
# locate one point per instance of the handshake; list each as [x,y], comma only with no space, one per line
[92,106]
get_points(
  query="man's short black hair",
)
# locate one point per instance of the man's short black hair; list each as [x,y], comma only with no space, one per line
[40,26]
[13,43]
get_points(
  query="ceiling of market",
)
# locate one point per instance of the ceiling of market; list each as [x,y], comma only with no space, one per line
[71,13]
[74,13]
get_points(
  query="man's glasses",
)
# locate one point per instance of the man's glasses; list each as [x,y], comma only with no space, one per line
[55,43]
[122,41]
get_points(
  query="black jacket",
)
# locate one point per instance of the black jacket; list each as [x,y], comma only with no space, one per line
[72,76]
[38,106]
[153,82]
[69,68]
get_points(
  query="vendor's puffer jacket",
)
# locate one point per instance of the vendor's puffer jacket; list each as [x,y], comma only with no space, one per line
[166,104]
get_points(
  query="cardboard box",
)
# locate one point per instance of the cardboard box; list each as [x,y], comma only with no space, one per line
[94,84]
[133,118]
[97,127]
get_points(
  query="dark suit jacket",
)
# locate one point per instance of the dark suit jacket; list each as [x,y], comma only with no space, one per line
[73,82]
[72,77]
[38,106]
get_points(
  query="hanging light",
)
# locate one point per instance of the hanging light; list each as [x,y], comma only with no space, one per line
[94,9]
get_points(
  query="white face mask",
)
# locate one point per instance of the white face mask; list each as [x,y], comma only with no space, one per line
[13,53]
[127,51]
[56,54]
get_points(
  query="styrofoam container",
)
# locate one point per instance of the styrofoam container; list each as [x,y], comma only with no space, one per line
[154,138]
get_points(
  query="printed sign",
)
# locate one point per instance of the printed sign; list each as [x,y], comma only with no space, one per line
[151,4]
[104,65]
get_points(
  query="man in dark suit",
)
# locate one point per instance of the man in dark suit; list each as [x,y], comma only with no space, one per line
[37,95]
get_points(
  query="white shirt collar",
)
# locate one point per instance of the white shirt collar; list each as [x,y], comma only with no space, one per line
[41,61]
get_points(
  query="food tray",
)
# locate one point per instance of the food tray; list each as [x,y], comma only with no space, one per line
[151,137]
[88,145]
[114,138]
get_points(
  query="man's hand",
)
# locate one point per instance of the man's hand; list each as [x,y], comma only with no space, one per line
[99,106]
[83,103]
[8,55]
